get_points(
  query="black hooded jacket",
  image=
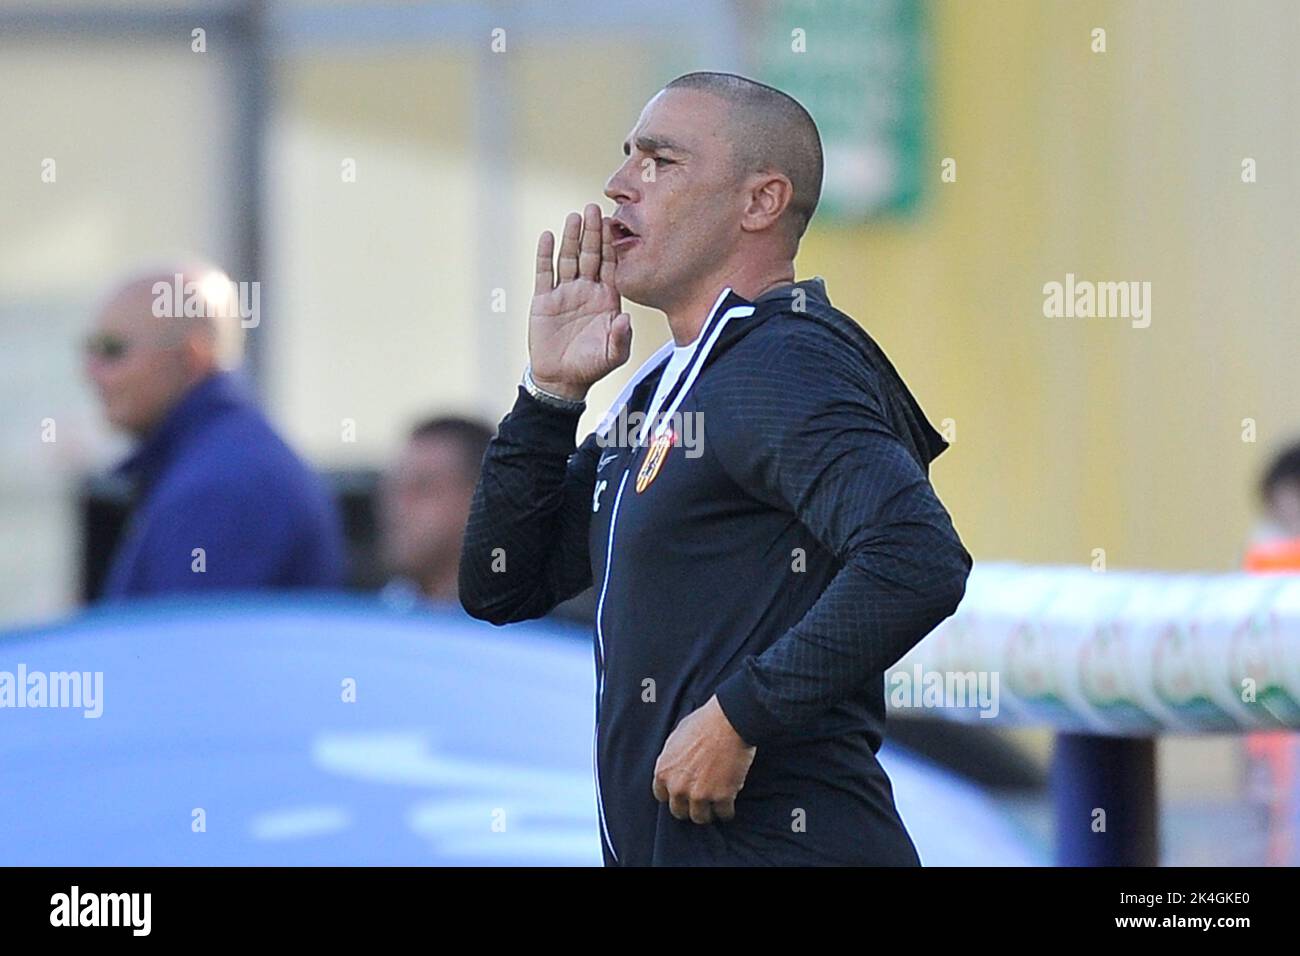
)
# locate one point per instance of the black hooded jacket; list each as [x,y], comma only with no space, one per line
[780,546]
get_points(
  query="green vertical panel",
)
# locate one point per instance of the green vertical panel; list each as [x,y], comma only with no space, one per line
[862,76]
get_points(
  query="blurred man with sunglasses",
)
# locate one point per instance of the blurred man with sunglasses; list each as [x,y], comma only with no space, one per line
[221,502]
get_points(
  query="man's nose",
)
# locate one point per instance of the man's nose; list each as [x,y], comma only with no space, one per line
[619,188]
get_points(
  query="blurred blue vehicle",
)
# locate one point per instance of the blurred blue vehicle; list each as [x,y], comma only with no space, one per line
[312,731]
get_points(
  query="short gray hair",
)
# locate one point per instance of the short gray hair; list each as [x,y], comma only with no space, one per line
[773,132]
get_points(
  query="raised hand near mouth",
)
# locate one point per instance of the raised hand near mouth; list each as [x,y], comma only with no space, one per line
[577,331]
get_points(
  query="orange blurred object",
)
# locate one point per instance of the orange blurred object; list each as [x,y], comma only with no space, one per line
[1274,557]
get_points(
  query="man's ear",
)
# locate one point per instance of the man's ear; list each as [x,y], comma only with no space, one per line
[200,352]
[769,196]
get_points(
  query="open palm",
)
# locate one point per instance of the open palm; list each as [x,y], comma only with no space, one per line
[577,331]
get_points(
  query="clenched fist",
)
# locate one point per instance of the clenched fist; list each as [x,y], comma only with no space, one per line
[703,766]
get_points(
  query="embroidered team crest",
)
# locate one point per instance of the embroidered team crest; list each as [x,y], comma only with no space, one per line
[654,460]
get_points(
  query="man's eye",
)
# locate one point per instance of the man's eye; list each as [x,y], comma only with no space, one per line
[663,159]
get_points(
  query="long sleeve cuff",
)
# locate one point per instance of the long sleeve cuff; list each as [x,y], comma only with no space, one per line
[738,697]
[541,427]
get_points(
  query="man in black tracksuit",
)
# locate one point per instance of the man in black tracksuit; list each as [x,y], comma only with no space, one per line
[763,549]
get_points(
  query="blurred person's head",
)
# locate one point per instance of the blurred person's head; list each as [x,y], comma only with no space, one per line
[1280,493]
[145,352]
[425,500]
[722,175]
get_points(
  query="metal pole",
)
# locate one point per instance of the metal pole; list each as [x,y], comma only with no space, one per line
[1104,798]
[252,79]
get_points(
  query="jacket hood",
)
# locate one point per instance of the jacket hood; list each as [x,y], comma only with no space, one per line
[733,317]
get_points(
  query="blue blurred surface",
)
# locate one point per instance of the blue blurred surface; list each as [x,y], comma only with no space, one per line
[466,744]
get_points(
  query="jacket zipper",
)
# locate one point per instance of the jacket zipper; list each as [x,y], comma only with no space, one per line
[600,644]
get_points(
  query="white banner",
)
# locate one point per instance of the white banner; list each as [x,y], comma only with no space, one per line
[1121,653]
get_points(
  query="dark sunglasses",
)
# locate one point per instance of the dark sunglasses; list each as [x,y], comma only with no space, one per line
[107,346]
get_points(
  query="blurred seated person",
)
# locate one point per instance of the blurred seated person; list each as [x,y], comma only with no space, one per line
[221,503]
[1275,543]
[1273,756]
[424,502]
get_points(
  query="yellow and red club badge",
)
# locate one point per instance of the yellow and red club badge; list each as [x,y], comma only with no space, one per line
[655,457]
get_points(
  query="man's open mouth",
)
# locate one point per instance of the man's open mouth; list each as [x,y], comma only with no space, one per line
[623,236]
